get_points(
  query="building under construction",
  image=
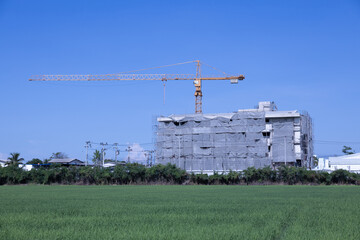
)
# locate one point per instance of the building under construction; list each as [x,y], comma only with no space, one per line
[235,141]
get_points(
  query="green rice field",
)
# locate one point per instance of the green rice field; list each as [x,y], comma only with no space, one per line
[179,212]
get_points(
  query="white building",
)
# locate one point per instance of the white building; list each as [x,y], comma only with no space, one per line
[3,162]
[323,165]
[350,163]
[26,167]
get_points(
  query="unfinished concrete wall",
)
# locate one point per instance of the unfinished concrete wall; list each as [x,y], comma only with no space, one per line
[306,141]
[230,141]
[283,140]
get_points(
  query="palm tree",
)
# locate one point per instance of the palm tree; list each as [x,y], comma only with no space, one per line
[97,157]
[15,159]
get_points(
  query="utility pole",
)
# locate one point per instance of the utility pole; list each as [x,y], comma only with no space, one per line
[152,158]
[149,157]
[117,152]
[285,150]
[128,150]
[87,152]
[103,152]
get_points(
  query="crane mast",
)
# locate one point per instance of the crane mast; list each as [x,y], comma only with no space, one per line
[198,91]
[196,78]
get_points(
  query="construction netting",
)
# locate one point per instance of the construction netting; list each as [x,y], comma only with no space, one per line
[232,141]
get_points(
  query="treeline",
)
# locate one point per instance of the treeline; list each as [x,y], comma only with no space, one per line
[134,173]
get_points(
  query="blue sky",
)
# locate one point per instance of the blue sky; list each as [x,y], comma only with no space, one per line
[303,55]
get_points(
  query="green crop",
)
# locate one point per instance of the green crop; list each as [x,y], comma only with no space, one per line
[179,212]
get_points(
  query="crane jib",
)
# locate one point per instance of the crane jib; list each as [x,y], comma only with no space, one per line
[196,78]
[129,77]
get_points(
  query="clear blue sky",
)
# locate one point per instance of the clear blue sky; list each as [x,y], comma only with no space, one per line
[303,55]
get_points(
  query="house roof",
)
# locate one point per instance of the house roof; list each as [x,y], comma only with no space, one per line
[64,160]
[4,160]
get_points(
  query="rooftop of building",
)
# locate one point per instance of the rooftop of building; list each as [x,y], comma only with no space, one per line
[268,108]
[352,159]
[64,160]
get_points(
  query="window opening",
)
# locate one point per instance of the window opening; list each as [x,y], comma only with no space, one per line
[266,134]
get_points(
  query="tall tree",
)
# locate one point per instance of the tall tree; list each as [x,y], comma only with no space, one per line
[35,161]
[316,161]
[347,150]
[58,155]
[97,158]
[15,159]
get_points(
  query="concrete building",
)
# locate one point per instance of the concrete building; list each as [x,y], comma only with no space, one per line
[235,141]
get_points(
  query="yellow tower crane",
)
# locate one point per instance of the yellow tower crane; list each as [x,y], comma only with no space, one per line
[197,78]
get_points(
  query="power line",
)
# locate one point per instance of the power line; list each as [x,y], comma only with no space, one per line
[335,142]
[120,145]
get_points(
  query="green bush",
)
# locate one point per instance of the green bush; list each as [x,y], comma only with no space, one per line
[250,175]
[216,179]
[200,178]
[233,177]
[134,173]
[341,176]
[267,174]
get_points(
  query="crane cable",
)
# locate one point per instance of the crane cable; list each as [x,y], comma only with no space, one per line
[169,65]
[214,68]
[159,67]
[175,64]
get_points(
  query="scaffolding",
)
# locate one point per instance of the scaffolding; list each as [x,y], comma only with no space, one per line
[257,138]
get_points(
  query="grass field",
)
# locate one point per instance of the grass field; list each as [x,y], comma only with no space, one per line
[179,212]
